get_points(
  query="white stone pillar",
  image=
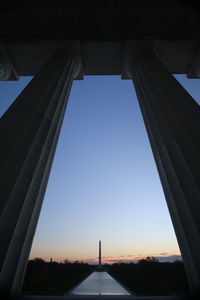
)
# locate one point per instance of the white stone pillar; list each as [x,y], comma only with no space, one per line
[172,120]
[29,132]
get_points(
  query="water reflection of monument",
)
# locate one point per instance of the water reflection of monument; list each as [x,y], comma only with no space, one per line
[99,254]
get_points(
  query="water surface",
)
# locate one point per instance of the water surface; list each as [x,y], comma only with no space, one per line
[99,283]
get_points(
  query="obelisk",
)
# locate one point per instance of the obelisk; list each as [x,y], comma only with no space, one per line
[99,254]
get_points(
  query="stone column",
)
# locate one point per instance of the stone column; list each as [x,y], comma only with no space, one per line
[7,70]
[172,120]
[29,131]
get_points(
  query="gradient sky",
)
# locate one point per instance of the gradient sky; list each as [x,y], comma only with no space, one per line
[104,183]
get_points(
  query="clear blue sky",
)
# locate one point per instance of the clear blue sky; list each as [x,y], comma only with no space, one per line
[104,183]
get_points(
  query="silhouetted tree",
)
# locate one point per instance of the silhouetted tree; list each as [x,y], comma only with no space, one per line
[66,261]
[149,259]
[38,260]
[151,277]
[53,277]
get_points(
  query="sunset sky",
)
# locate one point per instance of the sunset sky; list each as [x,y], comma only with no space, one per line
[104,183]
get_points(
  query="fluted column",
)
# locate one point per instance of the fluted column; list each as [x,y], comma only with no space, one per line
[172,120]
[7,70]
[29,132]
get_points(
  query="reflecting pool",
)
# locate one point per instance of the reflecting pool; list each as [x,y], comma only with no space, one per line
[99,283]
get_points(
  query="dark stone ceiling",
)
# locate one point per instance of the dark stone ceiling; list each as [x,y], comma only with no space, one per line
[99,32]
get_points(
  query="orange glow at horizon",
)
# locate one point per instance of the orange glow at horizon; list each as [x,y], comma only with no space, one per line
[112,259]
[112,251]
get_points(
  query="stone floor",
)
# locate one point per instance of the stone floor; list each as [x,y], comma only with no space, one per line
[101,297]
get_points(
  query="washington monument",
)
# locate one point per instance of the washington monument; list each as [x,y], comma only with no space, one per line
[99,254]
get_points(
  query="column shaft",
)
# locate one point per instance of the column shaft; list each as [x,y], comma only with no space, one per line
[172,120]
[29,132]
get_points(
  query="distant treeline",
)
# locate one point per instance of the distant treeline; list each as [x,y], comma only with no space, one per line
[53,277]
[151,277]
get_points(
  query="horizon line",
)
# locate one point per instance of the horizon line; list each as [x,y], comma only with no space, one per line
[109,260]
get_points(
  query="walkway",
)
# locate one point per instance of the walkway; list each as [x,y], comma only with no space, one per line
[99,283]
